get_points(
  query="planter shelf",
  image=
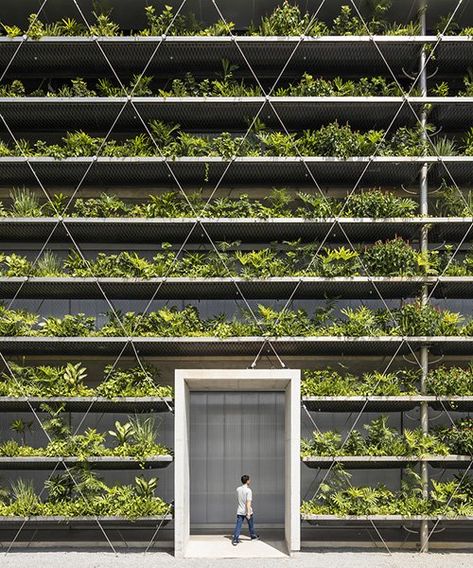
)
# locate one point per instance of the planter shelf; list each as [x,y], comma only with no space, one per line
[97,113]
[386,462]
[223,288]
[386,403]
[152,171]
[89,520]
[385,518]
[102,462]
[198,346]
[89,404]
[343,54]
[367,229]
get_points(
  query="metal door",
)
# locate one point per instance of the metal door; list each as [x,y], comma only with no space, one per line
[232,434]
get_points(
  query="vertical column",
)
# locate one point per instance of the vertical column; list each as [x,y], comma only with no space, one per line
[424,244]
[181,465]
[292,485]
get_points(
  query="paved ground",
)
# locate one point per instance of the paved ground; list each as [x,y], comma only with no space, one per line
[218,546]
[303,560]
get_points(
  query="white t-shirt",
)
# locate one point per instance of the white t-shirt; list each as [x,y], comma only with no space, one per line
[244,494]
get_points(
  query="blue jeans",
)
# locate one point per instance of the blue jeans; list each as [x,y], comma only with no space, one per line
[239,524]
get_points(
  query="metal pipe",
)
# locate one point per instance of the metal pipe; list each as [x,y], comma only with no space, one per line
[424,245]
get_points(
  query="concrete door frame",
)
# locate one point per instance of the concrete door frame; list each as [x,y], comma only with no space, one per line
[244,380]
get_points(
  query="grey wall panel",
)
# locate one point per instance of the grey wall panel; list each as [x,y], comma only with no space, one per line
[231,434]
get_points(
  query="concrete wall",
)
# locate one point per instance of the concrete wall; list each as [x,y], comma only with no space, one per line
[244,380]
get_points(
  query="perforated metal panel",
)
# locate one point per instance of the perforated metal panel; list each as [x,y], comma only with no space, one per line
[235,433]
[198,54]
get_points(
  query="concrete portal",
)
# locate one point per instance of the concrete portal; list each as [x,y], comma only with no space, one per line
[247,380]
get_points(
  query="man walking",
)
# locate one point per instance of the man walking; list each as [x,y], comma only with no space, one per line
[244,510]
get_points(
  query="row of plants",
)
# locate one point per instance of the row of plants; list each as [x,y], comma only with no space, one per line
[441,381]
[379,439]
[339,497]
[70,381]
[172,204]
[391,258]
[412,319]
[280,202]
[226,85]
[137,437]
[331,140]
[287,19]
[395,257]
[81,493]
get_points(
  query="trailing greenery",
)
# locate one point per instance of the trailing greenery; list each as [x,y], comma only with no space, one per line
[69,381]
[331,140]
[328,382]
[287,19]
[340,498]
[411,319]
[380,440]
[82,493]
[279,203]
[134,438]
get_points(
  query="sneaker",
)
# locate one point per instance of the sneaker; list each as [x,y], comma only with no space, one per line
[235,542]
[256,537]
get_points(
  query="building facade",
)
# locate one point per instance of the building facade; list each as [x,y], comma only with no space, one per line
[208,210]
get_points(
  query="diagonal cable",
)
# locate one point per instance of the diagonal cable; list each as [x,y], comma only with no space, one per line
[166,161]
[60,220]
[302,158]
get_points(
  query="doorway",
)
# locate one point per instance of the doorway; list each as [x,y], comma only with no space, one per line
[232,404]
[231,434]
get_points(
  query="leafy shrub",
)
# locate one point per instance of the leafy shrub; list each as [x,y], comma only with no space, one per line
[331,140]
[341,498]
[16,322]
[328,382]
[410,320]
[225,85]
[136,381]
[89,496]
[288,20]
[454,203]
[394,257]
[416,319]
[334,262]
[68,381]
[448,381]
[391,258]
[458,437]
[140,442]
[380,440]
[45,381]
[69,326]
[376,203]
[279,203]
